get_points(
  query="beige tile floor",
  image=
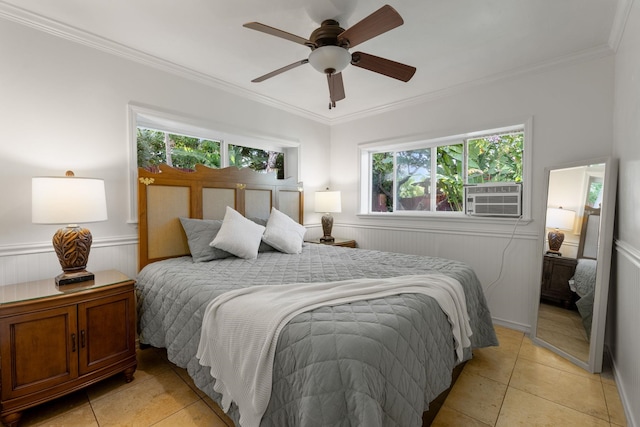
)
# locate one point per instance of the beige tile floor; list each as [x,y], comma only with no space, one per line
[516,384]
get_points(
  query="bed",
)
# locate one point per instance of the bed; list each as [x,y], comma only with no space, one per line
[375,362]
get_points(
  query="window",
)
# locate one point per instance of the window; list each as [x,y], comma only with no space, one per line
[157,147]
[429,176]
[159,137]
[256,159]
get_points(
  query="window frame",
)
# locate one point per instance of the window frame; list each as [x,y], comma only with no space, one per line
[429,141]
[143,116]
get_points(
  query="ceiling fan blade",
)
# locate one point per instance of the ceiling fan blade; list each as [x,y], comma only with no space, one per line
[280,70]
[278,33]
[383,66]
[382,20]
[336,88]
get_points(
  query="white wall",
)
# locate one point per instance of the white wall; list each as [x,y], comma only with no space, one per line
[64,106]
[571,108]
[624,310]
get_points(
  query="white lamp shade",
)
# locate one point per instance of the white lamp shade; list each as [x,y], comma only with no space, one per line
[559,218]
[328,201]
[332,59]
[67,200]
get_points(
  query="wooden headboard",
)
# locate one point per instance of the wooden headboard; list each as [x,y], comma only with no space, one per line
[589,233]
[169,194]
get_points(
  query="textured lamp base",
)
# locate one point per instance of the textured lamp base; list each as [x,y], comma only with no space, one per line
[327,225]
[556,238]
[72,245]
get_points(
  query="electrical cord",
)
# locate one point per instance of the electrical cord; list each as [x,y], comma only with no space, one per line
[504,251]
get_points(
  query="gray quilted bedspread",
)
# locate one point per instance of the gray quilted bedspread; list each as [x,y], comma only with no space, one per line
[369,363]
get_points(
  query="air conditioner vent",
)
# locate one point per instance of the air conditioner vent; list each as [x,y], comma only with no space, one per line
[494,199]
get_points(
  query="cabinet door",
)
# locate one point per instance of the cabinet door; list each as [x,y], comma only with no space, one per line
[547,271]
[38,350]
[106,331]
[562,273]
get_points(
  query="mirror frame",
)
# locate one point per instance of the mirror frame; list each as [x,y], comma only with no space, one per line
[603,271]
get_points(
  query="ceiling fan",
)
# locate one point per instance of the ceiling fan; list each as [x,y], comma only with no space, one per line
[330,46]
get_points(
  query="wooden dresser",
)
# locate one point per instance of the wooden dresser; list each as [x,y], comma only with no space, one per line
[556,273]
[54,341]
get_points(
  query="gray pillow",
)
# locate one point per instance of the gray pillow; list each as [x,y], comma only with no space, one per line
[200,232]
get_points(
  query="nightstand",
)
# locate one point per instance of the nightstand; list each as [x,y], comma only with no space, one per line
[556,273]
[347,243]
[57,340]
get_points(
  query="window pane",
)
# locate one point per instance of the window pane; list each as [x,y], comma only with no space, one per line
[495,158]
[450,180]
[151,149]
[256,159]
[382,182]
[413,180]
[183,152]
[187,152]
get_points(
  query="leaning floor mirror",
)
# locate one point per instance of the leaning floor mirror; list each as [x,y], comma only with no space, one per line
[570,308]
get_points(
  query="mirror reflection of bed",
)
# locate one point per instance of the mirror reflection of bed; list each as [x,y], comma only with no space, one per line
[574,278]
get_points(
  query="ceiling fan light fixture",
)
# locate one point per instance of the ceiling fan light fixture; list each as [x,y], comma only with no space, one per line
[330,59]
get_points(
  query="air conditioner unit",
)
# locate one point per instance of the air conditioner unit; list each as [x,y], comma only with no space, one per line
[494,199]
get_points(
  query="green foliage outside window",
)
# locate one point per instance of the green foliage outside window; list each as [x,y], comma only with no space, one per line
[450,193]
[256,159]
[492,158]
[185,152]
[495,158]
[595,193]
[382,182]
[179,151]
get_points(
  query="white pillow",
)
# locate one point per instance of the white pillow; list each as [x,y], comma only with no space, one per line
[238,235]
[283,233]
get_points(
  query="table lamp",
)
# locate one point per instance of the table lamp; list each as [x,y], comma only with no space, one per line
[327,202]
[558,219]
[69,200]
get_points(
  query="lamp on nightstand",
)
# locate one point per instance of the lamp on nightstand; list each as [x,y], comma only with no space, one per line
[69,200]
[558,219]
[327,202]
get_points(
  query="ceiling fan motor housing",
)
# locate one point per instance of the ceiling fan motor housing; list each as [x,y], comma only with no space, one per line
[327,34]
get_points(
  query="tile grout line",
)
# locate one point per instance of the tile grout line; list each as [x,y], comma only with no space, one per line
[560,404]
[509,382]
[95,416]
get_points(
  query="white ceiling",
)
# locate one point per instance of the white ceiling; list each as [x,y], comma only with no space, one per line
[451,43]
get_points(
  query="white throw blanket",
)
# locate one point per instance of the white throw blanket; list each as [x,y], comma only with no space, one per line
[240,328]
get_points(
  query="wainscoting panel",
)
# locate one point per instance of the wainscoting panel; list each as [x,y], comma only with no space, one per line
[508,268]
[39,261]
[623,338]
